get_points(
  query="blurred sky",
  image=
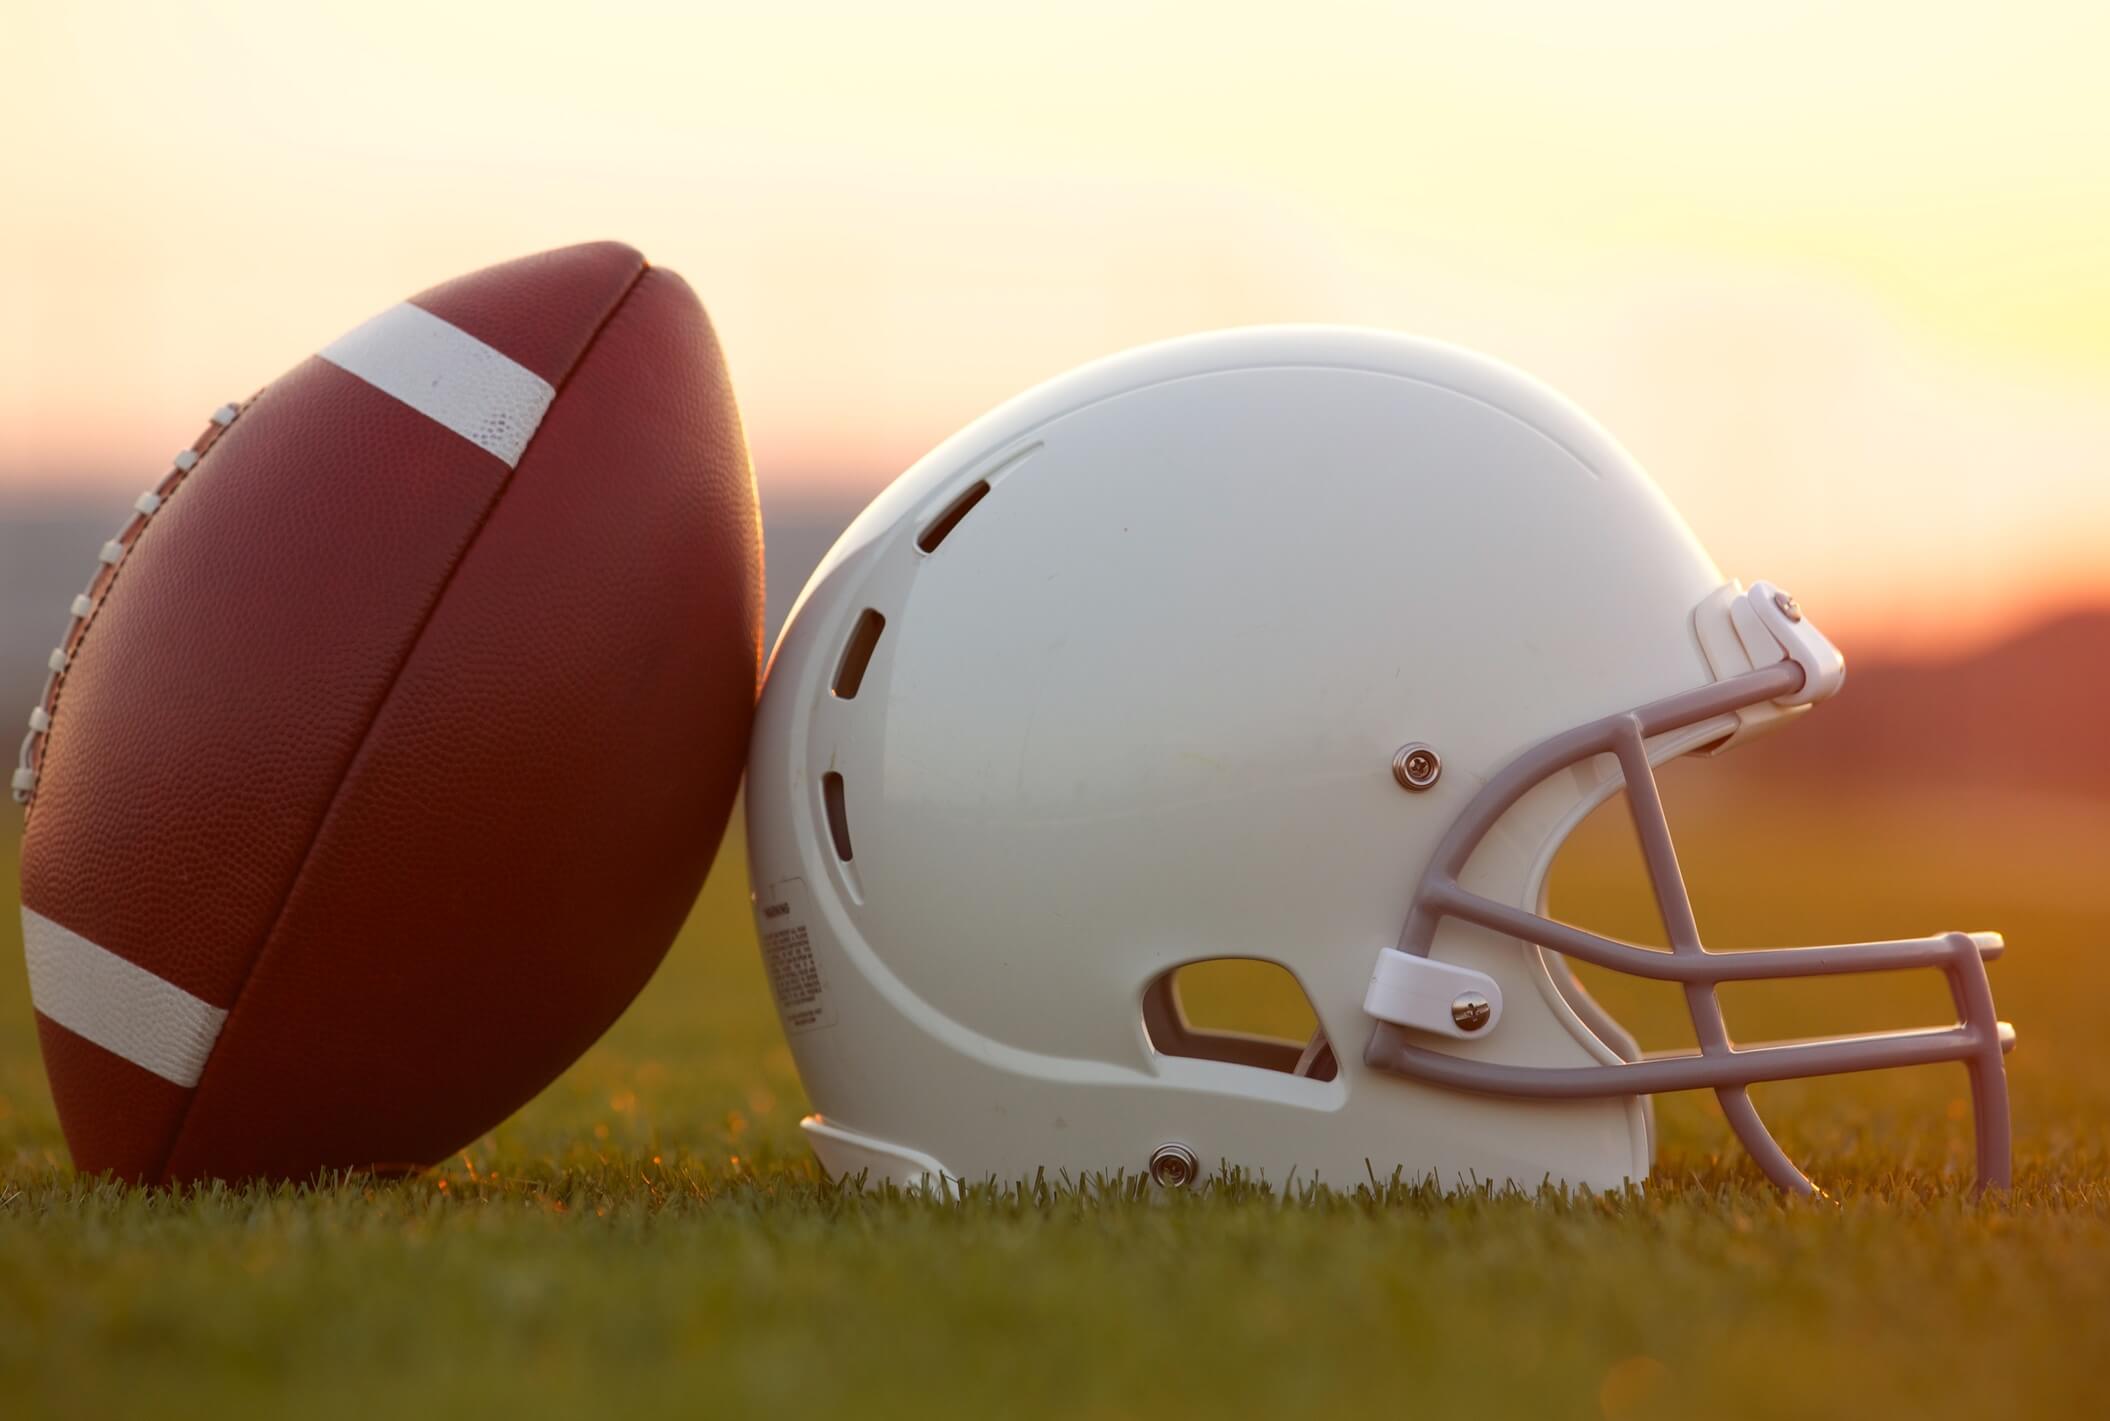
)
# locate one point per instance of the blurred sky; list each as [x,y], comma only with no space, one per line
[1838,274]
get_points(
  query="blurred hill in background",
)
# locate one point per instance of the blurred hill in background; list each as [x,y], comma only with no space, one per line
[2025,715]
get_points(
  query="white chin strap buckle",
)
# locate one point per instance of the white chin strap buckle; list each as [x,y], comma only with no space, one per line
[1742,631]
[1423,994]
[1771,626]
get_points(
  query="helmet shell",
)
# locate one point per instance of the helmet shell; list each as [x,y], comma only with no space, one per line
[1138,705]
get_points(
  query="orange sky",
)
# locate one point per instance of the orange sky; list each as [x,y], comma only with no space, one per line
[1839,281]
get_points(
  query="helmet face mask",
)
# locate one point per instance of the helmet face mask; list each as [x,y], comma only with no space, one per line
[1132,674]
[1978,1040]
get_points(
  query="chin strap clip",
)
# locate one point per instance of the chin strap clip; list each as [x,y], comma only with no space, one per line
[1742,631]
[1423,994]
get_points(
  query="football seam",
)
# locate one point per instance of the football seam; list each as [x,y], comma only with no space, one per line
[36,747]
[410,650]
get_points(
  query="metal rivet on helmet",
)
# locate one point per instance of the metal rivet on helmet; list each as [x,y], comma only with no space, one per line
[1471,1010]
[1416,766]
[1174,1166]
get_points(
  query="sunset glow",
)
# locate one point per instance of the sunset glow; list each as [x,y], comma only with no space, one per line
[1837,279]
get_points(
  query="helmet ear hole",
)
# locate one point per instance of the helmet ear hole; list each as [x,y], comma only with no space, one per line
[1244,1011]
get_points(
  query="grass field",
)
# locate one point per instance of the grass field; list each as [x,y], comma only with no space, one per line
[650,1235]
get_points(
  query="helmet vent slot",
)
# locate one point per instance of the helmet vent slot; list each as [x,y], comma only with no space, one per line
[941,527]
[838,817]
[857,655]
[1240,1010]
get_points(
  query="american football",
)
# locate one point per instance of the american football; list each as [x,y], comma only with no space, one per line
[383,755]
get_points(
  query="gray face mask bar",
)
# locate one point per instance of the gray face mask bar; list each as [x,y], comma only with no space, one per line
[1978,1040]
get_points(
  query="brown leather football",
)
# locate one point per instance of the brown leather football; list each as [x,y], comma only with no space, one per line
[390,744]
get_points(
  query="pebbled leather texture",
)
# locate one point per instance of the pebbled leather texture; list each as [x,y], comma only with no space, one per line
[412,762]
[541,310]
[119,1118]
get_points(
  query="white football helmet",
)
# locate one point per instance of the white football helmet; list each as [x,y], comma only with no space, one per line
[1304,645]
